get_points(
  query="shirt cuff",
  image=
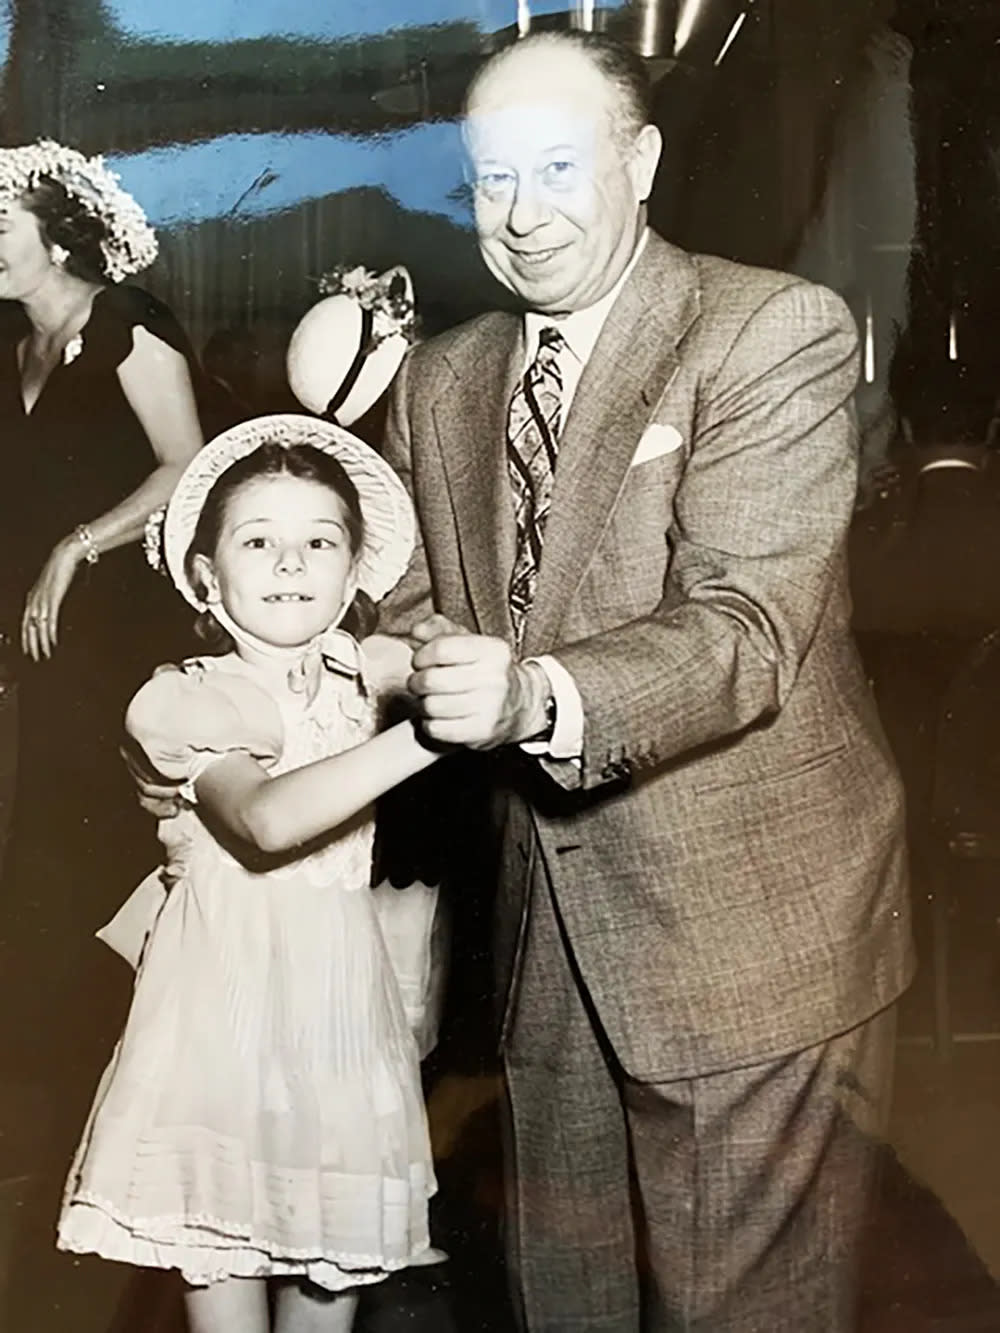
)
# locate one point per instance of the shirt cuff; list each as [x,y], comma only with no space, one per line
[566,741]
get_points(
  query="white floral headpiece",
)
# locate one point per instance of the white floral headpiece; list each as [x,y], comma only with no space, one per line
[129,243]
[388,296]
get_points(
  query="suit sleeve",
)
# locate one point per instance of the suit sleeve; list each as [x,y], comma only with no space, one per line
[760,521]
[411,599]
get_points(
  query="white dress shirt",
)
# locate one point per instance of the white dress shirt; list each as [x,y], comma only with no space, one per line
[580,331]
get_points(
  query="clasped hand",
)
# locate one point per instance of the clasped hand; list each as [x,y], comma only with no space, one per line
[469,688]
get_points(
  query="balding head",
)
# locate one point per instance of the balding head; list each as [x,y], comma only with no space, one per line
[623,72]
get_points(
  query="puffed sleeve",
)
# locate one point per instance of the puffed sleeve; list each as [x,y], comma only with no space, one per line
[185,719]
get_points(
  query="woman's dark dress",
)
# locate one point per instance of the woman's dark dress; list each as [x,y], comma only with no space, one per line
[78,841]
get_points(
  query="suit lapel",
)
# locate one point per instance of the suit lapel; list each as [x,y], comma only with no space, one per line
[470,423]
[632,364]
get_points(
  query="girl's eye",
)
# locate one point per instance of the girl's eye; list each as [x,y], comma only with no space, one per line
[321,544]
[255,543]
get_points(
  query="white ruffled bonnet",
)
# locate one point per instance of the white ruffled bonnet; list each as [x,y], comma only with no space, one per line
[389,522]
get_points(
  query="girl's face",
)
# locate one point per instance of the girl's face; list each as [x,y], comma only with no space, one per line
[24,258]
[283,566]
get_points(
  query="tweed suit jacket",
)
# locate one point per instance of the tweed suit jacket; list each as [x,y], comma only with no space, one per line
[728,856]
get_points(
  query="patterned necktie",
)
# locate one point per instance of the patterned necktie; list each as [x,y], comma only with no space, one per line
[532,442]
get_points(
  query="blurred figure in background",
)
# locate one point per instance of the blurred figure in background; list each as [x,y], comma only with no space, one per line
[860,238]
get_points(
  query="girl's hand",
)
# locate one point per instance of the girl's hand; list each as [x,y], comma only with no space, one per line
[390,661]
[40,623]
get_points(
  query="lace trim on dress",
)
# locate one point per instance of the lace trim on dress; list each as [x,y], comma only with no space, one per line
[206,1249]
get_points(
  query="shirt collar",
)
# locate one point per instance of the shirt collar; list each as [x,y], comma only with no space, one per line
[581,328]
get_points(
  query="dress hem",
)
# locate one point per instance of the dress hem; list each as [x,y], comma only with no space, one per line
[238,1254]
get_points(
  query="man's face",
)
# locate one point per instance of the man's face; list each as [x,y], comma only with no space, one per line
[558,194]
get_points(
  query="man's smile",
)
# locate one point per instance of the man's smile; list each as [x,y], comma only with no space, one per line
[536,258]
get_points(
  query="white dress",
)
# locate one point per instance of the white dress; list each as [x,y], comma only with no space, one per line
[262,1114]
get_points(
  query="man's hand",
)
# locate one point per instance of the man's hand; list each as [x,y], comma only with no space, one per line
[156,796]
[470,690]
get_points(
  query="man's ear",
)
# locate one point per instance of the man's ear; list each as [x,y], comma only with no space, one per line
[206,584]
[643,161]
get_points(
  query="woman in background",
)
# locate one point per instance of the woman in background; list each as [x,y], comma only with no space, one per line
[99,418]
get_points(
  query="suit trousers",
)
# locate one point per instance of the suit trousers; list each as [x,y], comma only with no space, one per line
[733,1202]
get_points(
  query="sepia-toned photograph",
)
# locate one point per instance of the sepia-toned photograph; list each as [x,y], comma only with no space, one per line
[500,666]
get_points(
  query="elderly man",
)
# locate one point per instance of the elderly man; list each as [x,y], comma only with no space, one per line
[634,501]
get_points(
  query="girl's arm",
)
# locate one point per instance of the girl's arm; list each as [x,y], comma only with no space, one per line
[278,814]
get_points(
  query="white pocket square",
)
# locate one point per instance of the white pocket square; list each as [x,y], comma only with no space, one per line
[656,440]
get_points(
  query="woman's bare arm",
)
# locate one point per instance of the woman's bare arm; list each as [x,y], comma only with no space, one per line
[156,381]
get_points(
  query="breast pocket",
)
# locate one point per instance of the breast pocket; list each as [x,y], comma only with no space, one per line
[633,555]
[650,484]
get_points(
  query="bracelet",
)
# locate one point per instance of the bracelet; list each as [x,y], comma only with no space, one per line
[84,535]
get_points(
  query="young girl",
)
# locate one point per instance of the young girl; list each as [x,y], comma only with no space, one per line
[262,1115]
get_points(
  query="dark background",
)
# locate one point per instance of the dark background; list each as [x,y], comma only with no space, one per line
[265,159]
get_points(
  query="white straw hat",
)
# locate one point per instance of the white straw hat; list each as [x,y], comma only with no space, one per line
[346,349]
[389,523]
